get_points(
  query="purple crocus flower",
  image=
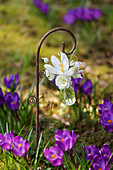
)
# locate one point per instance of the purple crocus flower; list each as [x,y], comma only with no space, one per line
[12,101]
[54,155]
[99,163]
[78,12]
[96,13]
[64,139]
[87,14]
[86,87]
[107,105]
[76,83]
[37,3]
[44,8]
[6,141]
[105,152]
[1,97]
[91,152]
[82,14]
[106,120]
[20,146]
[69,18]
[9,81]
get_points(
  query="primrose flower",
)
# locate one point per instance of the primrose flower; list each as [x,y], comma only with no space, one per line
[1,97]
[91,152]
[12,101]
[107,105]
[64,139]
[106,120]
[9,81]
[6,141]
[87,87]
[54,155]
[20,146]
[99,163]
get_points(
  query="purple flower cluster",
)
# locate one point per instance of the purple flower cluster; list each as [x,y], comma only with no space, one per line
[9,81]
[11,101]
[76,83]
[64,141]
[17,145]
[87,87]
[44,8]
[82,14]
[106,117]
[99,158]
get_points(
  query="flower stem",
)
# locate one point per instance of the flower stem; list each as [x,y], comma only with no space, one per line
[72,159]
[27,162]
[63,167]
[4,110]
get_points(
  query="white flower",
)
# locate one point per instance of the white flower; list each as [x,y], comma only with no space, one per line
[60,68]
[46,60]
[72,63]
[51,77]
[63,81]
[77,71]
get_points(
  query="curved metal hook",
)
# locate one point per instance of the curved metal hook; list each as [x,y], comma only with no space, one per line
[37,70]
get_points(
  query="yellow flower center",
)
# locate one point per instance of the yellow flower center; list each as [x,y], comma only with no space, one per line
[106,108]
[62,140]
[104,154]
[109,121]
[61,65]
[12,102]
[53,156]
[19,145]
[99,169]
[90,153]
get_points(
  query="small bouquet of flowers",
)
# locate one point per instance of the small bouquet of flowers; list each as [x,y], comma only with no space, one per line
[63,72]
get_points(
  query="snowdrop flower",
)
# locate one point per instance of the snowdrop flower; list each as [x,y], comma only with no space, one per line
[60,68]
[63,82]
[46,60]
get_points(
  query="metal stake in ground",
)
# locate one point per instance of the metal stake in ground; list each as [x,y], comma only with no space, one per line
[37,70]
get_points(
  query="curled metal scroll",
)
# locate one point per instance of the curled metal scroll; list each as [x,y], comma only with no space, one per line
[37,69]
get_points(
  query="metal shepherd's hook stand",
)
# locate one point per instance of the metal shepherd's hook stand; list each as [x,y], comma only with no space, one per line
[37,70]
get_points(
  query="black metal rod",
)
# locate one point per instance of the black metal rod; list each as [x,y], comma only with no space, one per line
[37,70]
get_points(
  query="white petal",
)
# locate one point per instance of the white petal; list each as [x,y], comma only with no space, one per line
[50,68]
[70,72]
[46,60]
[55,61]
[72,63]
[47,73]
[65,61]
[77,64]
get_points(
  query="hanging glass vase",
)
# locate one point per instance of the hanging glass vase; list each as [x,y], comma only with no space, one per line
[68,96]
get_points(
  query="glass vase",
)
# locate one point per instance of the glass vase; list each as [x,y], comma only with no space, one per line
[68,96]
